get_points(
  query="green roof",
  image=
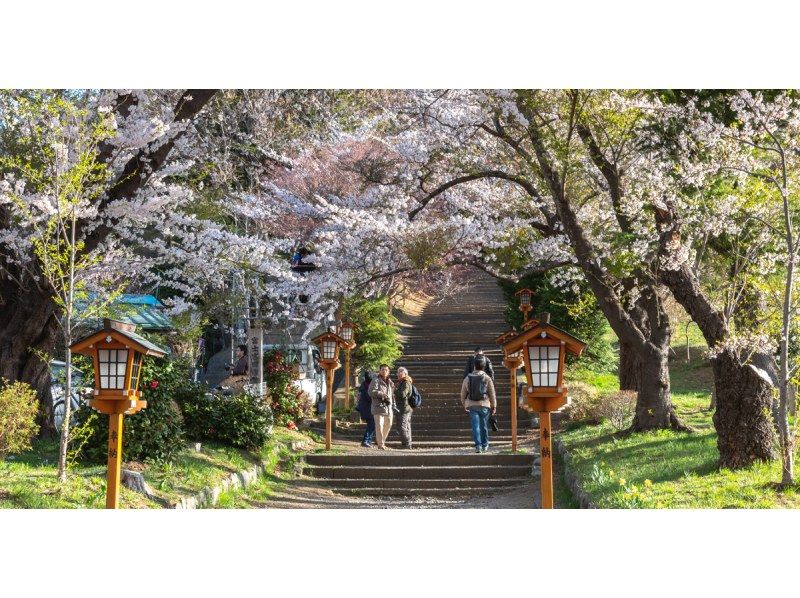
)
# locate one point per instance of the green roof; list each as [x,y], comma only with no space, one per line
[148,318]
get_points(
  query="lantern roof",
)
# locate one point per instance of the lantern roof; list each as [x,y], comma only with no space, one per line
[506,336]
[525,290]
[326,336]
[123,332]
[572,344]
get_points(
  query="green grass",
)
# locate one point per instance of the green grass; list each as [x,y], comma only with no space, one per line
[666,469]
[280,470]
[29,480]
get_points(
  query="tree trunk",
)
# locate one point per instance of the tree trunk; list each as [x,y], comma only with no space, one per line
[744,431]
[28,329]
[654,408]
[629,367]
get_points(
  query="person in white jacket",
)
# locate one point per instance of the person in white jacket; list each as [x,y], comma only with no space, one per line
[381,391]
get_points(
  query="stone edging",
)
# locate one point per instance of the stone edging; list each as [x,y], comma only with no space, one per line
[571,479]
[208,497]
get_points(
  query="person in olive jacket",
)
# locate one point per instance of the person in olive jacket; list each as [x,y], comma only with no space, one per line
[402,392]
[381,390]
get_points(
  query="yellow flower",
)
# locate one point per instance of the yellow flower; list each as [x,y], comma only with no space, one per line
[611,472]
[622,481]
[648,483]
[602,462]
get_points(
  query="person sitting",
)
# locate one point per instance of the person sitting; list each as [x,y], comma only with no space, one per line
[242,363]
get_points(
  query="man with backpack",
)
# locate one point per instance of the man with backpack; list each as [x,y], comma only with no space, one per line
[471,363]
[479,400]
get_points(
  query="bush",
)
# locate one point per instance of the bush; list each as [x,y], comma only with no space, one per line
[289,403]
[584,405]
[18,408]
[618,408]
[156,432]
[242,420]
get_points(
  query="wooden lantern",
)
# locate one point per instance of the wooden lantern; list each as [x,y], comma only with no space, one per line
[544,347]
[117,353]
[525,301]
[329,344]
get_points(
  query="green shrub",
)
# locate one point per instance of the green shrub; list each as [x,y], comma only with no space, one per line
[290,405]
[18,408]
[156,432]
[584,403]
[242,420]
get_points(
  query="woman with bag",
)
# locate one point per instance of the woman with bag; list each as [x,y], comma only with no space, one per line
[402,394]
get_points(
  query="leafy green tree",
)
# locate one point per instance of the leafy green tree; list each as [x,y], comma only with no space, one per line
[377,333]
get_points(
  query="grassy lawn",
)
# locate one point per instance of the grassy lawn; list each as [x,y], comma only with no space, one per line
[29,480]
[666,469]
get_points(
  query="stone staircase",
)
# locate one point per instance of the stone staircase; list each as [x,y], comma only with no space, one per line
[442,462]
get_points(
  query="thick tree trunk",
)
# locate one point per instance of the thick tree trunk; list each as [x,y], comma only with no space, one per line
[28,331]
[654,409]
[744,431]
[629,367]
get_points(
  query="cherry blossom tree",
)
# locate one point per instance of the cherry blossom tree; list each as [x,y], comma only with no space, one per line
[766,133]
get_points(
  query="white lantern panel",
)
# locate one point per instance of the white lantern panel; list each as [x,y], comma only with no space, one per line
[104,369]
[544,366]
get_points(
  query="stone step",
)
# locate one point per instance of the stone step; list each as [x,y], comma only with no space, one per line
[426,484]
[418,459]
[469,472]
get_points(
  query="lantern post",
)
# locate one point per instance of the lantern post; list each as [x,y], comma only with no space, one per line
[525,304]
[347,332]
[512,361]
[117,353]
[544,348]
[329,344]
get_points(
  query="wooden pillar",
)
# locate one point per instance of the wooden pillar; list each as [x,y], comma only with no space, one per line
[546,462]
[347,380]
[328,407]
[514,409]
[114,460]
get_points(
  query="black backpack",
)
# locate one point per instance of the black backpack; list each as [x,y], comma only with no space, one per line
[477,387]
[415,400]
